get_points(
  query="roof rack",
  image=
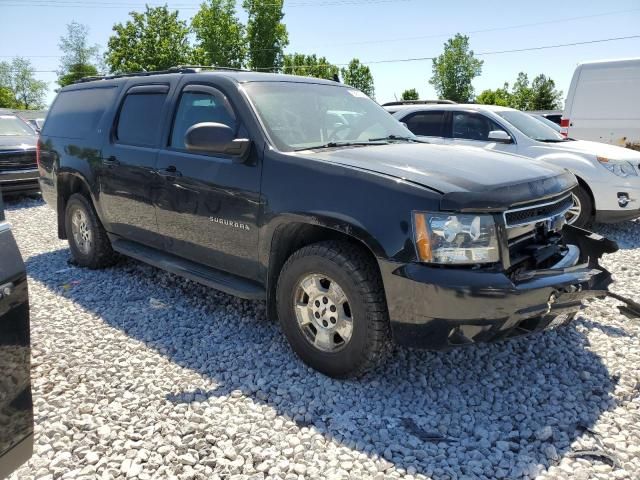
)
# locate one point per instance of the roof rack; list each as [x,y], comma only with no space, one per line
[417,102]
[177,69]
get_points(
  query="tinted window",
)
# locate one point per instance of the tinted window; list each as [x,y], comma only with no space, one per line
[198,107]
[76,113]
[140,119]
[426,123]
[473,126]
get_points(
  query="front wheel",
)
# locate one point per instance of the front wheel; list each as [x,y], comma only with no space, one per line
[580,213]
[332,309]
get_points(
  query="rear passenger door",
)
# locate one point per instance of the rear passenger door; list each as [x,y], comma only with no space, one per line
[208,203]
[430,125]
[127,176]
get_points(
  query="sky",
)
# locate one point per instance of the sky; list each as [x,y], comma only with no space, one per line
[373,30]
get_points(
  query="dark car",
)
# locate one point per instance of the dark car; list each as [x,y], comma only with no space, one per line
[18,162]
[16,408]
[354,231]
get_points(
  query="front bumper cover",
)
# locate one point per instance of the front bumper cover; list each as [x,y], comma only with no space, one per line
[439,308]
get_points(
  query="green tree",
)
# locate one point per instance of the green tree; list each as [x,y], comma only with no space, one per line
[7,99]
[309,66]
[18,78]
[266,34]
[219,35]
[410,94]
[78,55]
[544,95]
[499,96]
[154,40]
[359,76]
[455,69]
[521,92]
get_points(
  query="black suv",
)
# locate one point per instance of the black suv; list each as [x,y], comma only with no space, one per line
[16,408]
[308,194]
[18,169]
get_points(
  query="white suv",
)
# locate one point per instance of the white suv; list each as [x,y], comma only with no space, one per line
[609,179]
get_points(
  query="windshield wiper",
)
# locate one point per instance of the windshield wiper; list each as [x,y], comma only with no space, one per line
[398,137]
[550,140]
[343,144]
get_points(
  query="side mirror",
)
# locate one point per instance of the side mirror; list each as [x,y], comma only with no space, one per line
[499,136]
[216,138]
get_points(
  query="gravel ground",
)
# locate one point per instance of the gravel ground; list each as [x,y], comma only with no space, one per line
[140,374]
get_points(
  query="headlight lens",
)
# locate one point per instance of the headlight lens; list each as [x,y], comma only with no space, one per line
[455,239]
[619,168]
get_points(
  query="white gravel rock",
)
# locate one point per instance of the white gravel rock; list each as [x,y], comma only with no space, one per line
[139,373]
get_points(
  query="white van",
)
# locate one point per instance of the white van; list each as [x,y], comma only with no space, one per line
[603,103]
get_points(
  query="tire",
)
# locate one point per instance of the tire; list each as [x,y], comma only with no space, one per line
[88,240]
[582,200]
[330,269]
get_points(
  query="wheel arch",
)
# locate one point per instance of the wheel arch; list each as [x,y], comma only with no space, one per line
[69,183]
[586,187]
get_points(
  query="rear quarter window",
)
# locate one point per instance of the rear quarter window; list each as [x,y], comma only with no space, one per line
[76,113]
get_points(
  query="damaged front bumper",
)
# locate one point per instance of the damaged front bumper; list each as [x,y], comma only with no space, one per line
[438,308]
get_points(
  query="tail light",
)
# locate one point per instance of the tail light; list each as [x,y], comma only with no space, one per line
[564,127]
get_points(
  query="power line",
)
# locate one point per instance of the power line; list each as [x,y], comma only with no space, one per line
[419,59]
[184,6]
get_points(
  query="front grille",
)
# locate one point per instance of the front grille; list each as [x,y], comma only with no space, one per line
[536,213]
[17,160]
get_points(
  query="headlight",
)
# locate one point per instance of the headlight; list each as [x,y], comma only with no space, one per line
[455,239]
[619,168]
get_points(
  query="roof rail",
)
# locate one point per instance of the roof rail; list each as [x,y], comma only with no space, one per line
[177,69]
[417,102]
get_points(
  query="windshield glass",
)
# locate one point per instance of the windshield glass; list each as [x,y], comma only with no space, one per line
[531,127]
[305,115]
[12,125]
[547,122]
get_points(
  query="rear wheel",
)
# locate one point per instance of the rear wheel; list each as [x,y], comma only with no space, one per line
[88,239]
[580,213]
[332,309]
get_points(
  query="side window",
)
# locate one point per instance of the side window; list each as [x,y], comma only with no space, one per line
[473,126]
[201,106]
[429,124]
[140,119]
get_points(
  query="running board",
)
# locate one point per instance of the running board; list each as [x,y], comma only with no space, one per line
[225,282]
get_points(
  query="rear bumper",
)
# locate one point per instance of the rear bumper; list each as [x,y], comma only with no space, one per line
[439,308]
[19,181]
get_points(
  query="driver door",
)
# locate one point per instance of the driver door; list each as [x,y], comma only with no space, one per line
[16,409]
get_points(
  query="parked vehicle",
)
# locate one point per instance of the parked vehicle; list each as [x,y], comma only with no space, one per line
[18,167]
[554,116]
[603,103]
[351,231]
[16,407]
[608,182]
[546,121]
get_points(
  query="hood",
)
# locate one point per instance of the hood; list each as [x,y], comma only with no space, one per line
[612,152]
[470,178]
[18,142]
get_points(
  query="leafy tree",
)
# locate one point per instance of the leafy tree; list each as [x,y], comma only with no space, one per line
[544,95]
[18,78]
[499,96]
[359,76]
[78,54]
[7,99]
[521,92]
[219,34]
[154,40]
[410,94]
[309,66]
[266,34]
[455,69]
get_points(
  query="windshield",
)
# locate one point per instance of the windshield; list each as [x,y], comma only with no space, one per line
[531,127]
[298,116]
[11,125]
[547,122]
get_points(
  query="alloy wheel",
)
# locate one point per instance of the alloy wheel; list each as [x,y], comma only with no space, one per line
[81,231]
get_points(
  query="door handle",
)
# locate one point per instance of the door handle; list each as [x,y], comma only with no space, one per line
[110,162]
[170,171]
